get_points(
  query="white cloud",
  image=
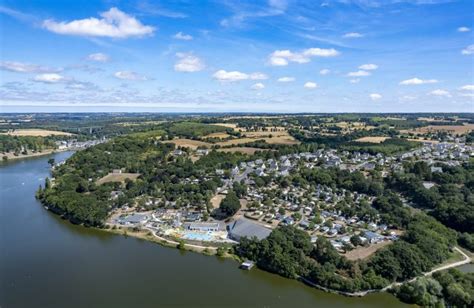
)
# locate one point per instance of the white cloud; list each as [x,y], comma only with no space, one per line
[114,23]
[369,67]
[20,67]
[286,79]
[278,4]
[320,52]
[353,35]
[181,36]
[375,96]
[98,57]
[359,73]
[324,71]
[258,86]
[469,50]
[223,75]
[417,81]
[128,75]
[468,87]
[466,94]
[188,63]
[283,57]
[311,85]
[355,80]
[464,29]
[50,78]
[258,76]
[439,92]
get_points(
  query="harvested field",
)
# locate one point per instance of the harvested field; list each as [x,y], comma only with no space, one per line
[217,135]
[372,139]
[453,129]
[243,150]
[189,143]
[231,125]
[425,141]
[36,133]
[282,139]
[117,177]
[287,140]
[364,252]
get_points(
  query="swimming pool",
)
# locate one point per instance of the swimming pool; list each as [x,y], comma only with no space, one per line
[197,236]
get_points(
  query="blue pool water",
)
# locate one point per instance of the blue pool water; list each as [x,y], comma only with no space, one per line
[197,236]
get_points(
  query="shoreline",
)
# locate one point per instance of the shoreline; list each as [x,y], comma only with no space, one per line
[12,157]
[210,251]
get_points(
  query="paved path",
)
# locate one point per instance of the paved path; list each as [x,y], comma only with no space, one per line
[466,260]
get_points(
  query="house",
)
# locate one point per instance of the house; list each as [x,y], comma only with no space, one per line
[117,171]
[177,152]
[202,152]
[246,228]
[288,221]
[436,169]
[373,237]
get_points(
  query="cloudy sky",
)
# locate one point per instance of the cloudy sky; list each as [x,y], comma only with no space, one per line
[262,56]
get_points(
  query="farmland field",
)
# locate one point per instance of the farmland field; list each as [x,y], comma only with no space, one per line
[372,139]
[189,143]
[456,129]
[36,133]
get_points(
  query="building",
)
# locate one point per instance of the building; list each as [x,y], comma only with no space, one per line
[203,226]
[133,219]
[245,228]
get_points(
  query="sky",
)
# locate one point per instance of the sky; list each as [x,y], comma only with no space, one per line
[237,56]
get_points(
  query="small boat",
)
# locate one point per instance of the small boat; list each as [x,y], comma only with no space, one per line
[247,265]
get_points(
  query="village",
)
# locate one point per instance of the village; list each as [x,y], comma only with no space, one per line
[332,212]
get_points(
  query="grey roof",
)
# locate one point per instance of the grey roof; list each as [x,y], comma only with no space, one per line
[243,227]
[134,218]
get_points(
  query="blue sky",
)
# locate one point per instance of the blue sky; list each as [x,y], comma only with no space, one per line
[242,56]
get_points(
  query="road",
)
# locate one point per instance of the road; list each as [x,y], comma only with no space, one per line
[466,260]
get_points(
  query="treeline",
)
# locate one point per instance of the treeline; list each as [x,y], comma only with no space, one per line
[289,253]
[451,200]
[387,147]
[192,129]
[25,144]
[347,142]
[450,288]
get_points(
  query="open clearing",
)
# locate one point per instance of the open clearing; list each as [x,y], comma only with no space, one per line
[243,150]
[216,200]
[189,143]
[36,133]
[364,252]
[454,129]
[372,139]
[117,177]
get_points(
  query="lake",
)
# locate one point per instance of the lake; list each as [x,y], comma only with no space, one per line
[48,262]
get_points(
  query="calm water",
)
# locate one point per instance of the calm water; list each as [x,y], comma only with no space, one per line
[48,262]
